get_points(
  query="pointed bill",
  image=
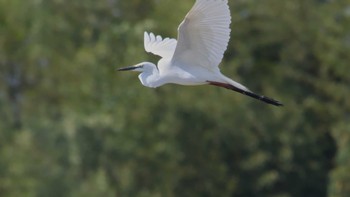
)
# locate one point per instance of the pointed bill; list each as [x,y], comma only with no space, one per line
[129,68]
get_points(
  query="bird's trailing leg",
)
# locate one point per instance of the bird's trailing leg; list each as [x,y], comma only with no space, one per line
[248,93]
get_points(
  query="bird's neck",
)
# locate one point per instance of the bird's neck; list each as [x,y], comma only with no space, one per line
[151,79]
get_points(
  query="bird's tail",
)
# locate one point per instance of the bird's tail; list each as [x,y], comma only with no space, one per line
[232,85]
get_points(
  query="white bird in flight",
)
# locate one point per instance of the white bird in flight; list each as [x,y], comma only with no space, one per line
[193,58]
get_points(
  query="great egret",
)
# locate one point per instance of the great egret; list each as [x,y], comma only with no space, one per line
[193,59]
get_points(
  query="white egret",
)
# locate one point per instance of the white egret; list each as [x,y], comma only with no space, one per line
[194,57]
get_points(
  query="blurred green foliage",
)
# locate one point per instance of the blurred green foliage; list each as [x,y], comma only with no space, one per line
[71,126]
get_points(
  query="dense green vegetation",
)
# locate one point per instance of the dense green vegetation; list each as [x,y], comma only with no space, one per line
[72,126]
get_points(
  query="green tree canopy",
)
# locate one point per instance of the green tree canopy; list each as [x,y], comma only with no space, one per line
[71,126]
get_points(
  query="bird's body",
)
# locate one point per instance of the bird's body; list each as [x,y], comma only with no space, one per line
[194,57]
[167,72]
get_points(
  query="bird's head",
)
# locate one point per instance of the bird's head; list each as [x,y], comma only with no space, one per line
[149,73]
[141,67]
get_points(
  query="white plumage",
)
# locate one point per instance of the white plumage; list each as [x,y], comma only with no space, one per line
[163,47]
[193,58]
[204,34]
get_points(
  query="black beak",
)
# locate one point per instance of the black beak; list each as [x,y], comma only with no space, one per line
[128,68]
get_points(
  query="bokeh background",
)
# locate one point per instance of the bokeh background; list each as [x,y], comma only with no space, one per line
[70,125]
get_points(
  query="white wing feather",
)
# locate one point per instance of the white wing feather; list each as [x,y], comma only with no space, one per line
[159,46]
[204,34]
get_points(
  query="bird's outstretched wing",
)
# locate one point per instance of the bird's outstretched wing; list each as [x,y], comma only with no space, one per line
[204,34]
[159,46]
